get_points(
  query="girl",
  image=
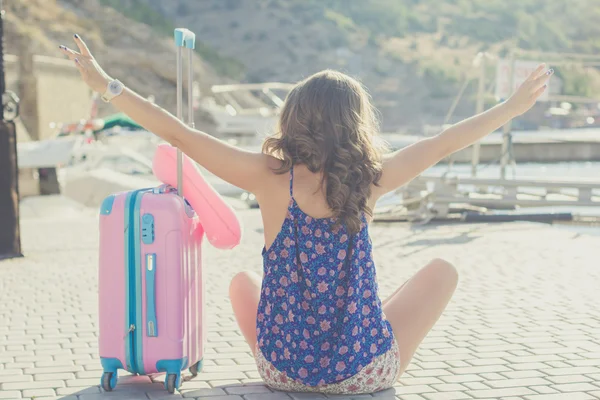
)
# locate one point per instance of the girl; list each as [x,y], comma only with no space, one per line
[315,322]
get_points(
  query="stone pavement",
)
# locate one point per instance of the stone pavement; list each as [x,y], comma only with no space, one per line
[524,324]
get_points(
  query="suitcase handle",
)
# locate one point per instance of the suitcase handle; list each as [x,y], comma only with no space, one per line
[151,320]
[184,38]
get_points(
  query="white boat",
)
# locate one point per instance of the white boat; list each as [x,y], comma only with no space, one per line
[100,169]
[245,111]
[45,153]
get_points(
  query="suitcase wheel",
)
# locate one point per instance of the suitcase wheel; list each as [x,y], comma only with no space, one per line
[172,382]
[109,381]
[194,369]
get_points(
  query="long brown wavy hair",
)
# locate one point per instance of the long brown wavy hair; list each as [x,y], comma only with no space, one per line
[329,124]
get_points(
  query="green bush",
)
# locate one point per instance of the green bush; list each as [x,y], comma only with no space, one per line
[549,25]
[138,11]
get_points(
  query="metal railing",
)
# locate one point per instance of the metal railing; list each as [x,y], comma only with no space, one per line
[428,197]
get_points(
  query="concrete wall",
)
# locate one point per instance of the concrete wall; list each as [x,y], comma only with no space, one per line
[537,152]
[29,182]
[61,94]
[91,188]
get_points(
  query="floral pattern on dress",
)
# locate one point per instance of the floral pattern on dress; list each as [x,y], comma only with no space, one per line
[382,373]
[319,319]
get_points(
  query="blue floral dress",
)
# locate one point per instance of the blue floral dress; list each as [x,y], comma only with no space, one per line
[319,319]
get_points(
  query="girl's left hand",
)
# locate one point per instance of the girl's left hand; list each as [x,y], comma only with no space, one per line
[527,94]
[90,71]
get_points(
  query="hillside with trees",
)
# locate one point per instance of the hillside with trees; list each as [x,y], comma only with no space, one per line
[413,55]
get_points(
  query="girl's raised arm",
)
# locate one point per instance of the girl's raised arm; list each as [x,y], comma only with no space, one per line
[245,169]
[406,164]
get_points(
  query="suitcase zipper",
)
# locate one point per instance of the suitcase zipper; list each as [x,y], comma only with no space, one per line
[131,334]
[133,343]
[130,278]
[137,269]
[131,329]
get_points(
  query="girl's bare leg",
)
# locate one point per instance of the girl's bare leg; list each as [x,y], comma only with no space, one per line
[244,292]
[415,307]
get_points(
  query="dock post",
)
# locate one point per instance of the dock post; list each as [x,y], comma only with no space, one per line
[479,108]
[506,130]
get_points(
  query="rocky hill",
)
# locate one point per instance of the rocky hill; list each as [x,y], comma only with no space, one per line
[412,55]
[136,52]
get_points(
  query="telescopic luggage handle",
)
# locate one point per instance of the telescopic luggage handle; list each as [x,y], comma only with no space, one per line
[184,38]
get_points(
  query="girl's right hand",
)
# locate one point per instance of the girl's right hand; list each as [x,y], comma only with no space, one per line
[90,71]
[527,94]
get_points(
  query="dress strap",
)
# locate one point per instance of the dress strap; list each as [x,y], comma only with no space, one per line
[292,181]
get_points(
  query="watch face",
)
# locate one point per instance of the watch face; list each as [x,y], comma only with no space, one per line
[114,87]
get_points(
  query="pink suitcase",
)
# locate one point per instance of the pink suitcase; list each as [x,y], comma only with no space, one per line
[151,289]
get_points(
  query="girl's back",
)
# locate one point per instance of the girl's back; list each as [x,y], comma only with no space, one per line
[309,195]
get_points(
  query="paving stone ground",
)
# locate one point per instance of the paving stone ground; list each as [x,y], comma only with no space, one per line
[524,323]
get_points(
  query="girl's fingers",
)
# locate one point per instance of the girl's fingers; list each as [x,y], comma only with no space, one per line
[543,79]
[82,61]
[79,65]
[538,71]
[82,46]
[539,92]
[68,52]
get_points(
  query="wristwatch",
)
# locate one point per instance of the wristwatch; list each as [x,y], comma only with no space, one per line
[114,88]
